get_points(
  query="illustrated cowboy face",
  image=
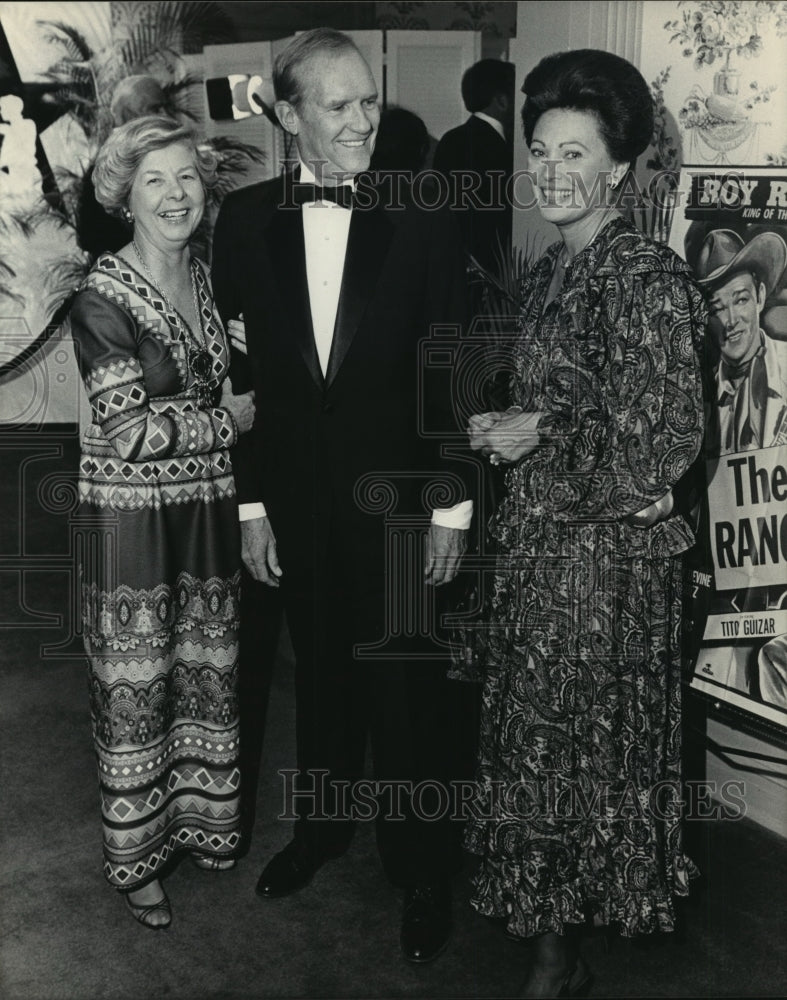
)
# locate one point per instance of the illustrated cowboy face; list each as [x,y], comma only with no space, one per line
[735,308]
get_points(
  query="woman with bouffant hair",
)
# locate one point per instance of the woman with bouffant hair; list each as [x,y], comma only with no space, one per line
[161,563]
[580,742]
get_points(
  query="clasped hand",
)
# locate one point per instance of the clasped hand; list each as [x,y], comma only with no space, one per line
[509,435]
[240,407]
[504,436]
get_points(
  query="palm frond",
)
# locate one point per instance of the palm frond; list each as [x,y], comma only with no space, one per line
[72,99]
[16,223]
[70,184]
[50,214]
[67,179]
[7,293]
[230,149]
[193,24]
[500,288]
[174,88]
[136,51]
[76,93]
[5,290]
[72,40]
[26,223]
[62,280]
[180,94]
[236,161]
[503,284]
[172,27]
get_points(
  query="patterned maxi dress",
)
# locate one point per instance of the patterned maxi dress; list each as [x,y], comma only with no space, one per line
[580,742]
[161,575]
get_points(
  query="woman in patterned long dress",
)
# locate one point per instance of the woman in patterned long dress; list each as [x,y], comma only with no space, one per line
[161,564]
[579,757]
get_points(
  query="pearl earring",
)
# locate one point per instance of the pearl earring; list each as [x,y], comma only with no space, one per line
[128,215]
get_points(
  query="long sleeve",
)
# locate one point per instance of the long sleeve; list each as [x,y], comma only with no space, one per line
[229,300]
[112,371]
[632,427]
[447,307]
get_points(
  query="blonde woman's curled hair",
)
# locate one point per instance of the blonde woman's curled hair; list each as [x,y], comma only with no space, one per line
[119,158]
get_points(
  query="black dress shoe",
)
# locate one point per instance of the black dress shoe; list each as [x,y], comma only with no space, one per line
[286,873]
[426,921]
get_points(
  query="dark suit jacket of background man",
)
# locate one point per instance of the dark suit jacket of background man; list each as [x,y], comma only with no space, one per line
[316,438]
[476,146]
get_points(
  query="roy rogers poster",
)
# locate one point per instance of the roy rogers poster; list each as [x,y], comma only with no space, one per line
[730,224]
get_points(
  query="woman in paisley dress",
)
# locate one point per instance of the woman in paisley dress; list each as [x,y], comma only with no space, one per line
[161,552]
[579,770]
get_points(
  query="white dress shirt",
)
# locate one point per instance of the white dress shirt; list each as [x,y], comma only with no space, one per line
[326,227]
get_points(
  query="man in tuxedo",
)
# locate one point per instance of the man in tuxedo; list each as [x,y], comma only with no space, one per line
[338,290]
[478,158]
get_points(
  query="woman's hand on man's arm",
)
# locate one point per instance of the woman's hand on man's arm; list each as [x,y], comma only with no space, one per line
[241,408]
[504,436]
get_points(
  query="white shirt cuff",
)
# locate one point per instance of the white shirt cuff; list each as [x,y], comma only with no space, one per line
[458,516]
[249,511]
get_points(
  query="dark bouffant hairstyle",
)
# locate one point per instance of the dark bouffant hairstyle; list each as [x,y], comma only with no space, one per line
[484,80]
[597,81]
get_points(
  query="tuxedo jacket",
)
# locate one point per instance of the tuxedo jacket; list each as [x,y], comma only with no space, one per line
[476,146]
[368,438]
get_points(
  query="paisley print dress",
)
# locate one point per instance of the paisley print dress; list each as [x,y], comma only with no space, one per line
[580,741]
[160,576]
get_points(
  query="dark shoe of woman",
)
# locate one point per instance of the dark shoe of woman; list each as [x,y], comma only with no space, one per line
[156,916]
[210,863]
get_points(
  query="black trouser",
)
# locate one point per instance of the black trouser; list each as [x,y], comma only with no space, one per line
[412,714]
[261,621]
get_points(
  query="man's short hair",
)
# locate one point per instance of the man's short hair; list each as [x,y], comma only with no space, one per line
[136,96]
[484,80]
[286,69]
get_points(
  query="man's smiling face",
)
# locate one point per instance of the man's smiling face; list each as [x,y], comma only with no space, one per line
[337,117]
[734,319]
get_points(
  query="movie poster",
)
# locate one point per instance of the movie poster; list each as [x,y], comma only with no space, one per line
[730,224]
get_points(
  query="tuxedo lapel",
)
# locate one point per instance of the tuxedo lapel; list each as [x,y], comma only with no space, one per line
[367,247]
[287,254]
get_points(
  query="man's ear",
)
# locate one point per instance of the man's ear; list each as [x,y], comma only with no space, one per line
[288,116]
[762,295]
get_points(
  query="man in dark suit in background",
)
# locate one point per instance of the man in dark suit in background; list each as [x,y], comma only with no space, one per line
[338,291]
[482,148]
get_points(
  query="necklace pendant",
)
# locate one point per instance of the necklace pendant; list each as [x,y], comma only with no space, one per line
[200,363]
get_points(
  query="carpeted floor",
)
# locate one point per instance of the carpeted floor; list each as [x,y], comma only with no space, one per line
[65,933]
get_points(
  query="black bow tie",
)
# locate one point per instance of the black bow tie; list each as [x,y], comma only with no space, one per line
[342,194]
